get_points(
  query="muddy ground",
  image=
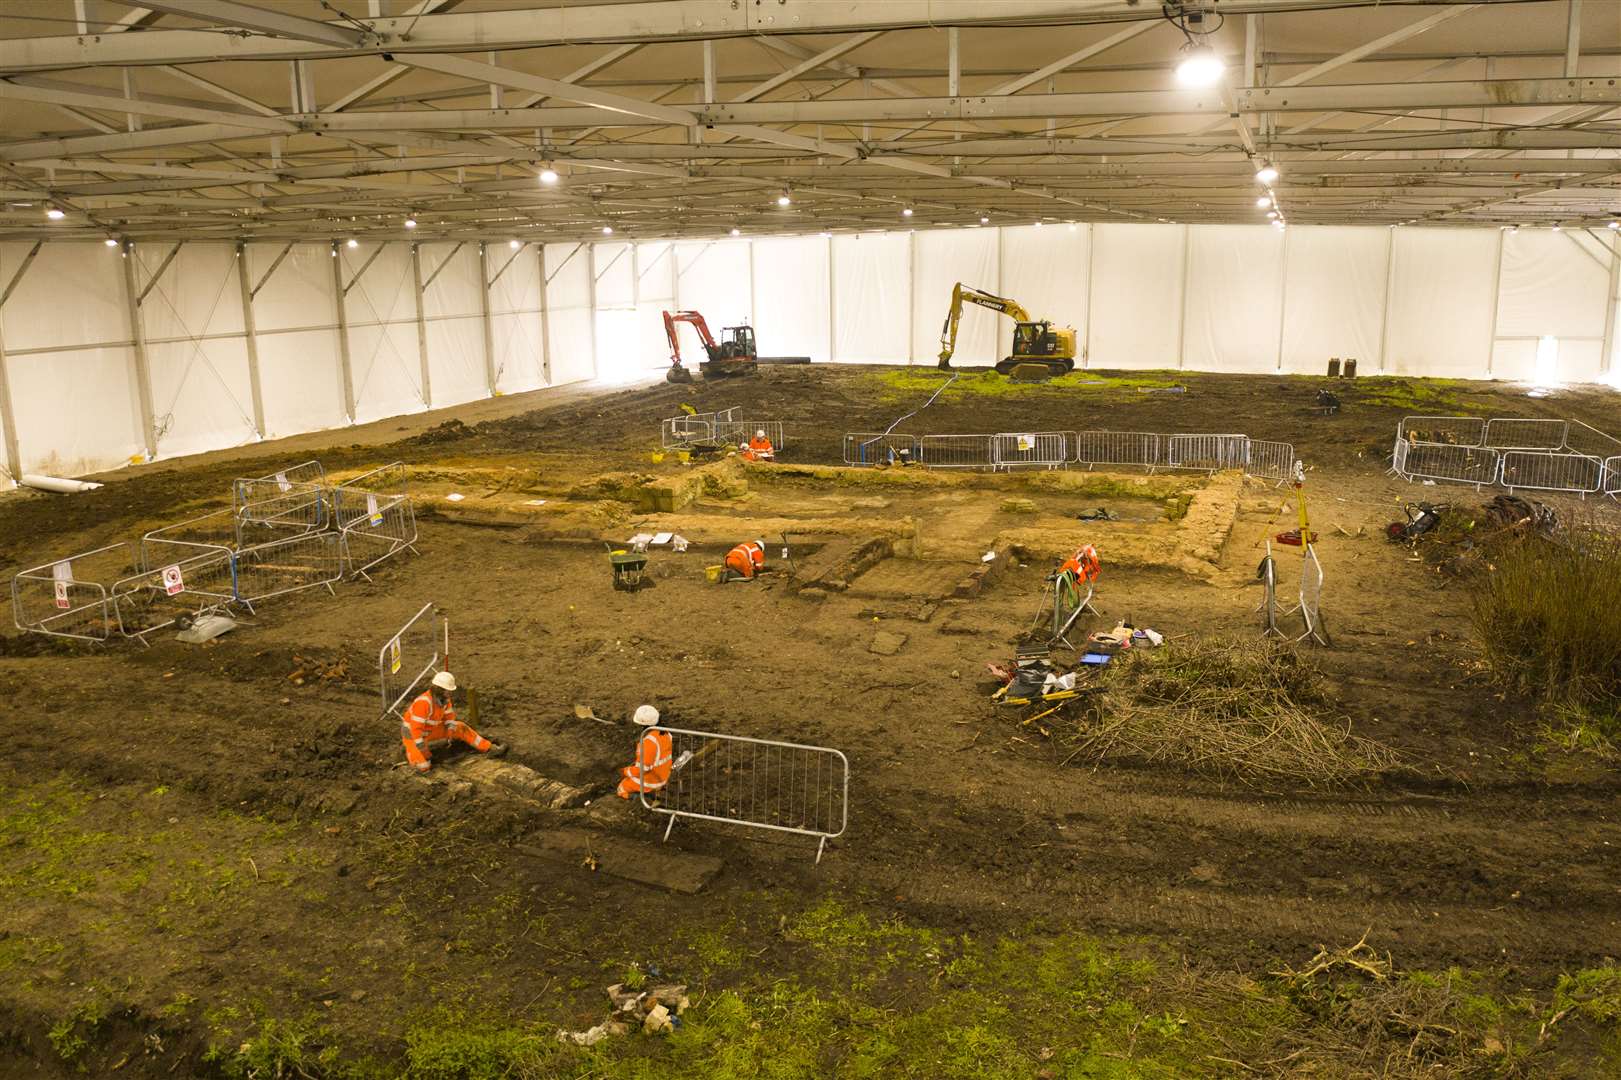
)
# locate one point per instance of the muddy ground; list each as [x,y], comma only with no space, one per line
[214,835]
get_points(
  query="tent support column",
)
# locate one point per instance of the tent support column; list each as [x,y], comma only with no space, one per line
[911,295]
[250,335]
[1086,341]
[1182,301]
[484,313]
[143,370]
[422,326]
[832,294]
[1497,294]
[1606,362]
[8,415]
[591,306]
[345,365]
[545,319]
[1283,297]
[1390,296]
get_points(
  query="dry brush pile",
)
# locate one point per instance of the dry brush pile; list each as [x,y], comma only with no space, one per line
[1252,711]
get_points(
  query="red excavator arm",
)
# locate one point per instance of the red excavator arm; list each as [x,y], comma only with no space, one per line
[698,324]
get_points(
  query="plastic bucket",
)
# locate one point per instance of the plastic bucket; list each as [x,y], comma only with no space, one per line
[713,573]
[683,456]
[658,456]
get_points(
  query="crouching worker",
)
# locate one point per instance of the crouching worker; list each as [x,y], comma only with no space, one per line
[653,756]
[1084,564]
[746,560]
[431,722]
[759,448]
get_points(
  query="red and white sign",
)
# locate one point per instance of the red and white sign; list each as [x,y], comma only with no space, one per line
[173,582]
[62,595]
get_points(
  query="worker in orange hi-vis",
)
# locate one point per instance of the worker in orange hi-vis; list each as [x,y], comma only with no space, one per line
[759,448]
[654,756]
[431,722]
[746,560]
[1083,564]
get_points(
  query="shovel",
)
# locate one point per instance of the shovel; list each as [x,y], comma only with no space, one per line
[583,712]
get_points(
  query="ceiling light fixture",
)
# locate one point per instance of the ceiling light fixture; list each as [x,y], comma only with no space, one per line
[548,175]
[55,213]
[351,243]
[1267,173]
[1263,202]
[1199,65]
[1615,224]
[607,230]
[1039,224]
[737,232]
[783,199]
[1558,228]
[410,223]
[110,242]
[983,220]
[906,211]
[514,244]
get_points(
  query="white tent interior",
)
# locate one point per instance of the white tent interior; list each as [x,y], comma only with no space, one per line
[219,228]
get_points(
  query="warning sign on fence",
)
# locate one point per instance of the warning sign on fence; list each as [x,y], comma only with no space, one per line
[173,582]
[373,515]
[62,594]
[394,657]
[281,482]
[1026,443]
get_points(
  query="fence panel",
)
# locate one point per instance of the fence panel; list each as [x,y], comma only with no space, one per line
[737,432]
[1536,471]
[761,783]
[282,505]
[1612,476]
[876,448]
[1207,452]
[416,654]
[696,429]
[183,539]
[285,566]
[956,451]
[1448,430]
[1461,464]
[1270,460]
[1117,448]
[376,517]
[1036,449]
[200,577]
[1311,598]
[1510,433]
[1581,439]
[69,597]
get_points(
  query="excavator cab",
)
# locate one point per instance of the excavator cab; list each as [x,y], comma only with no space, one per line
[736,343]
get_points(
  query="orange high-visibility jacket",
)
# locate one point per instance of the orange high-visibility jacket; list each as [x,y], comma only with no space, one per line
[655,754]
[760,444]
[746,560]
[427,719]
[1083,564]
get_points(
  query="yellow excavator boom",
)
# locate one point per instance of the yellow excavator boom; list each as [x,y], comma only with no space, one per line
[961,294]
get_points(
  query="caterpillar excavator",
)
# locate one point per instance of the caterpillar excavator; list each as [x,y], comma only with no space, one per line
[1034,341]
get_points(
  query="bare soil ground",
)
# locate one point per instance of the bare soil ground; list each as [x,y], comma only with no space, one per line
[197,839]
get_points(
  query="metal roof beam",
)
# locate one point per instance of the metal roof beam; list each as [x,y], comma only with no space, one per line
[266,21]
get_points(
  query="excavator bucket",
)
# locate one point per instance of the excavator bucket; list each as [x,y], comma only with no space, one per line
[677,374]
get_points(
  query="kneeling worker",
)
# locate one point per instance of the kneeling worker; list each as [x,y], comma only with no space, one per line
[653,756]
[431,722]
[759,448]
[746,560]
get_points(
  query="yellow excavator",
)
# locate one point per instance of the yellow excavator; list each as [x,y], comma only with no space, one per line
[1034,341]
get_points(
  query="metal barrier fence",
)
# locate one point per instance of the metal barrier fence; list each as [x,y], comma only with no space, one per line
[202,577]
[309,561]
[375,516]
[70,597]
[1514,452]
[761,783]
[879,448]
[1270,460]
[697,429]
[1209,453]
[1116,448]
[1311,598]
[955,451]
[183,539]
[273,503]
[1037,449]
[419,651]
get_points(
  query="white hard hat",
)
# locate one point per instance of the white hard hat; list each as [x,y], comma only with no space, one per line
[761,542]
[445,681]
[760,434]
[646,715]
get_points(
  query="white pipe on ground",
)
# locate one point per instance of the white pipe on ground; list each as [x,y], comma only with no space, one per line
[57,484]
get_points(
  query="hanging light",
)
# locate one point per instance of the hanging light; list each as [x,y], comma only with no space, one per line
[351,243]
[1272,214]
[1558,228]
[983,220]
[1263,202]
[1072,226]
[826,235]
[1615,224]
[514,244]
[548,175]
[1267,173]
[110,242]
[55,213]
[410,223]
[1198,65]
[1039,224]
[906,211]
[783,199]
[736,231]
[607,230]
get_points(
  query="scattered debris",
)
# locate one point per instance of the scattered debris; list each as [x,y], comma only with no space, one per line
[1098,513]
[656,1010]
[203,628]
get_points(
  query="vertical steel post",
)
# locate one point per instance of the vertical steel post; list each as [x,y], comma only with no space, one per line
[1091,249]
[484,310]
[345,363]
[1497,293]
[832,294]
[591,305]
[250,333]
[143,370]
[911,294]
[1283,296]
[422,327]
[1182,302]
[1390,296]
[8,416]
[545,320]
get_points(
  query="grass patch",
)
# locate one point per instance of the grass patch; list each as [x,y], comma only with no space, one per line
[1429,397]
[897,383]
[1240,709]
[1547,613]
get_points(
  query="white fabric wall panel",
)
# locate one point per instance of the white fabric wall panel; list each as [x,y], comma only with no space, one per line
[1334,297]
[1552,284]
[1044,269]
[301,379]
[872,298]
[713,278]
[568,299]
[940,259]
[36,315]
[383,351]
[1525,359]
[1136,311]
[518,287]
[615,277]
[450,274]
[1234,297]
[455,327]
[75,410]
[299,294]
[201,396]
[791,296]
[656,265]
[1442,289]
[515,319]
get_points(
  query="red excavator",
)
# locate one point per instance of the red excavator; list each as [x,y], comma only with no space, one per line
[736,353]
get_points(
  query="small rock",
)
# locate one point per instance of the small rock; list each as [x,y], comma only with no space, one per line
[887,642]
[357,995]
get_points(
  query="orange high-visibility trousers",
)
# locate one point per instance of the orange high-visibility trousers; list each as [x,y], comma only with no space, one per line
[426,725]
[656,753]
[746,560]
